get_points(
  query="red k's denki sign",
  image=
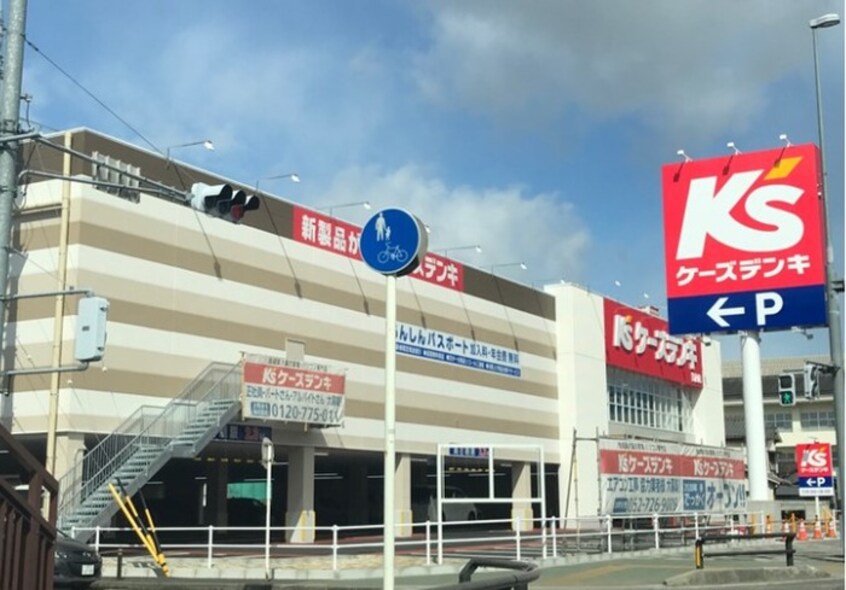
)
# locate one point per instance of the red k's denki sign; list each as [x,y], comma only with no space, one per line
[744,241]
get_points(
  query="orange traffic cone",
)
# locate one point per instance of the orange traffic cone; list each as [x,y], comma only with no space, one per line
[769,528]
[802,534]
[817,529]
[832,530]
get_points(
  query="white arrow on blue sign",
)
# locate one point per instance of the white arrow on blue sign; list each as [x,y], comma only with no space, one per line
[393,242]
[816,485]
[752,310]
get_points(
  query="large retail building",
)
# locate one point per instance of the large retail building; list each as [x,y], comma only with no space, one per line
[618,415]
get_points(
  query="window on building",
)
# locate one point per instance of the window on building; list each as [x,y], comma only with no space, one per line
[782,421]
[647,402]
[816,420]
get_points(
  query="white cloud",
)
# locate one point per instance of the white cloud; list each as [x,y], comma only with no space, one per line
[699,65]
[509,223]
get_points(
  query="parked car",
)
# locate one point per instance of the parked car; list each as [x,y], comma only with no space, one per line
[424,505]
[77,565]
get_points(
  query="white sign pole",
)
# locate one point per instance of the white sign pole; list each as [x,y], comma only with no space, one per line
[753,414]
[390,427]
[267,455]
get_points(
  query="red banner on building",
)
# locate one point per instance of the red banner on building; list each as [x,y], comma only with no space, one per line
[340,237]
[640,342]
[644,477]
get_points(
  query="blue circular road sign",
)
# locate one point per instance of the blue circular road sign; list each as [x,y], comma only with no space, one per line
[393,242]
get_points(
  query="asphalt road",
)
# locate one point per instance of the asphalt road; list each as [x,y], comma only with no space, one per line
[640,571]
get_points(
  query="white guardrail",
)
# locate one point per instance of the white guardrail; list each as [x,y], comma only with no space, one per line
[554,538]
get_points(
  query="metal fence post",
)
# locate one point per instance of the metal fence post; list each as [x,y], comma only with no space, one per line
[657,530]
[608,524]
[696,524]
[428,542]
[211,545]
[517,537]
[554,539]
[97,538]
[334,547]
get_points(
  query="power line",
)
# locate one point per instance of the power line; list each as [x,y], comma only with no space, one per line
[91,94]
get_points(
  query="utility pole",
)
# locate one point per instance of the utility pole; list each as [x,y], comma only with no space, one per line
[10,103]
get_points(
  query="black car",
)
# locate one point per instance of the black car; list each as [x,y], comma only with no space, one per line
[77,565]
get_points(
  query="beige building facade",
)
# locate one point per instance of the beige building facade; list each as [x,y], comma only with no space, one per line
[483,362]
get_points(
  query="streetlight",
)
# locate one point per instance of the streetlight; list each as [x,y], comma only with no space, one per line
[446,251]
[835,331]
[292,175]
[522,265]
[206,143]
[331,208]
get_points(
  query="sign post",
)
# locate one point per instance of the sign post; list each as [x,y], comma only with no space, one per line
[815,470]
[267,457]
[392,242]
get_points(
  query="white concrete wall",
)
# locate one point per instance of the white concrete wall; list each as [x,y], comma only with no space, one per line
[709,423]
[582,394]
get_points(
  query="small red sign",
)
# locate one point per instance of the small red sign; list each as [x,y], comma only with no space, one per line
[814,460]
[640,342]
[743,222]
[288,377]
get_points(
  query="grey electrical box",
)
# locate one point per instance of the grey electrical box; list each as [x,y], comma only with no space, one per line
[92,315]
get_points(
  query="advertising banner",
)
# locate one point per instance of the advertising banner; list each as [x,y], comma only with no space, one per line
[340,237]
[287,391]
[815,469]
[744,242]
[646,477]
[457,350]
[640,342]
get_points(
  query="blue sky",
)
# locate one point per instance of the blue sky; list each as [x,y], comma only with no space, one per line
[536,129]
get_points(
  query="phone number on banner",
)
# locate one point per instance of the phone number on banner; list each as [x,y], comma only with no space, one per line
[293,413]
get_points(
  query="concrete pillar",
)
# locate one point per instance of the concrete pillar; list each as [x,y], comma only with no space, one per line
[217,481]
[70,448]
[300,513]
[521,487]
[402,496]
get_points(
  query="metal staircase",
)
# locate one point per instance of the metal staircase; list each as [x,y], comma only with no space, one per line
[143,443]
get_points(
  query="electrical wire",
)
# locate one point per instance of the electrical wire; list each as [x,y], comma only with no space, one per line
[91,95]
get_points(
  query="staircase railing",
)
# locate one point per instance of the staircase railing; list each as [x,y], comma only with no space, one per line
[147,426]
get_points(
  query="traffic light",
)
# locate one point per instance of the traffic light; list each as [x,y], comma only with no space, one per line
[787,389]
[221,200]
[812,380]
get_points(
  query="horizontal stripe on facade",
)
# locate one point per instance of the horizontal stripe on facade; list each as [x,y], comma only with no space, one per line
[413,308]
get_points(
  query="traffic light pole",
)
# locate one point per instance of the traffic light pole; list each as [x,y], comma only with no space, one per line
[9,115]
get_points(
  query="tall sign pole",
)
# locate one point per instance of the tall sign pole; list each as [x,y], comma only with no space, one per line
[835,328]
[392,242]
[9,115]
